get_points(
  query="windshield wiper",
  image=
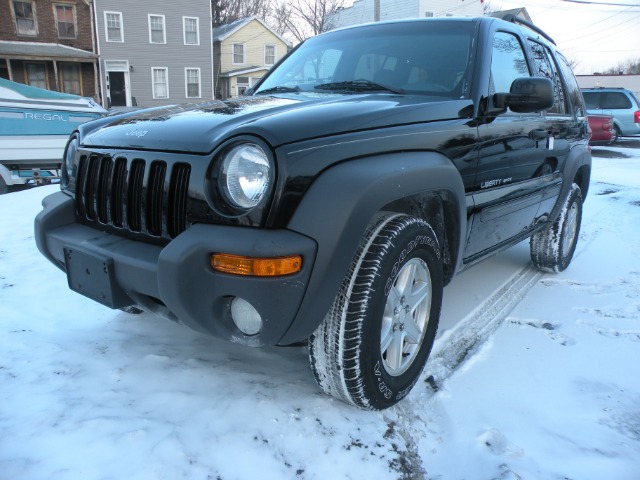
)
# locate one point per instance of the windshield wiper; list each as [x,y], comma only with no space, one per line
[278,89]
[358,86]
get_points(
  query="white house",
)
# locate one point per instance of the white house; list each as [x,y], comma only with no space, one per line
[364,11]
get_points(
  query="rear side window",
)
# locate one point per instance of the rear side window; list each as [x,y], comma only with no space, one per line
[574,95]
[545,67]
[592,99]
[615,101]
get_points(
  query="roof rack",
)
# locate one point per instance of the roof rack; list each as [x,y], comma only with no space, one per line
[521,21]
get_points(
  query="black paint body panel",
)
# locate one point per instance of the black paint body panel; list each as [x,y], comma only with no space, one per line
[483,176]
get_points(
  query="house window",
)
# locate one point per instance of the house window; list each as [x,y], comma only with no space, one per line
[36,75]
[192,80]
[191,30]
[24,16]
[113,26]
[242,83]
[269,54]
[160,77]
[238,53]
[156,29]
[65,21]
[70,78]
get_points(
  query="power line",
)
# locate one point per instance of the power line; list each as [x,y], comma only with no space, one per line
[597,23]
[591,36]
[585,2]
[549,8]
[608,51]
[563,5]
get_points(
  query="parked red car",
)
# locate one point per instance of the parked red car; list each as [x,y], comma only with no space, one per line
[602,131]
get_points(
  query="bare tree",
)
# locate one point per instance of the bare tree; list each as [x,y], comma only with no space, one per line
[490,7]
[227,11]
[629,67]
[305,18]
[574,63]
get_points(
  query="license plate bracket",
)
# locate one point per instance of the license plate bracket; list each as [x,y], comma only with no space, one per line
[94,276]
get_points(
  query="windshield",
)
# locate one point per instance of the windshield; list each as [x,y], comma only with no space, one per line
[429,58]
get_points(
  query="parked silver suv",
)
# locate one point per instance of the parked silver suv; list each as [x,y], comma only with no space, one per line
[619,102]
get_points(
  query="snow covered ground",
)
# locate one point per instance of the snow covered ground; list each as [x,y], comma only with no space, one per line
[533,376]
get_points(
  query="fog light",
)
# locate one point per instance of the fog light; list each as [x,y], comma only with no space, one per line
[245,316]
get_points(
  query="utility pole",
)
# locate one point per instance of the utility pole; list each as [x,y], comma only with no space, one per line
[376,10]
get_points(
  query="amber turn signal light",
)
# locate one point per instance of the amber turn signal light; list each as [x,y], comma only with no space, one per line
[256,267]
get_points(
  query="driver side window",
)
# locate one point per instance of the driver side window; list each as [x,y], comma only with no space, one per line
[508,62]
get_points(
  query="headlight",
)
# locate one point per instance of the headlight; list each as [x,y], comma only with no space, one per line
[245,175]
[68,159]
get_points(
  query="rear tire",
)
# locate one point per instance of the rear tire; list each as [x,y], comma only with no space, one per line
[552,248]
[373,344]
[3,186]
[616,134]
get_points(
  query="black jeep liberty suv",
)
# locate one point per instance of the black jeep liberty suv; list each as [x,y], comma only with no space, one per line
[334,201]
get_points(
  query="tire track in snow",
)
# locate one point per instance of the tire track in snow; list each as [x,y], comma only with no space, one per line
[449,352]
[462,341]
[456,345]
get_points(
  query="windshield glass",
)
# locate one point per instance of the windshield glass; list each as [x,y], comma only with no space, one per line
[429,58]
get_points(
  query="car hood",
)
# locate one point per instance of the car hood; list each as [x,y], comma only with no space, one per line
[279,120]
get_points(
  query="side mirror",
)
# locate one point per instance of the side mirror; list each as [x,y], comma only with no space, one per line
[527,95]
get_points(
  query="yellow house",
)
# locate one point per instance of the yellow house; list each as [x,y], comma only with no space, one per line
[243,51]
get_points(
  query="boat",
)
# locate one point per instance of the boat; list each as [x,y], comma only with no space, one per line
[35,125]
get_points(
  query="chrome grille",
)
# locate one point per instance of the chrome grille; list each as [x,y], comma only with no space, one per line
[141,196]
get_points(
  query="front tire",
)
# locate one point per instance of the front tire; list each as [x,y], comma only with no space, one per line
[552,248]
[132,310]
[373,344]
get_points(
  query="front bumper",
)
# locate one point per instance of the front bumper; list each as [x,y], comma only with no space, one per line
[176,281]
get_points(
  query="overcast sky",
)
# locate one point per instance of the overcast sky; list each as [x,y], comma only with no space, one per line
[593,35]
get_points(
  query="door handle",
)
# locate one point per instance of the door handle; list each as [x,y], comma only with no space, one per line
[538,134]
